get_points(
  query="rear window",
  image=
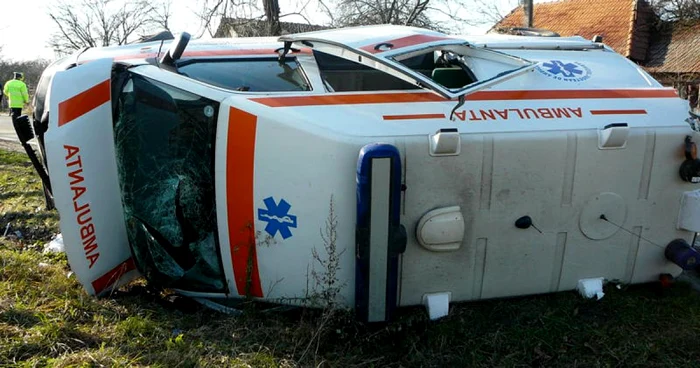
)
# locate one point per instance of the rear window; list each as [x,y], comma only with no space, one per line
[254,75]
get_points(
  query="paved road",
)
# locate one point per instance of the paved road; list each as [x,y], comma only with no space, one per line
[7,132]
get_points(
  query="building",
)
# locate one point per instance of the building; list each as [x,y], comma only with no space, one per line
[674,58]
[668,51]
[237,27]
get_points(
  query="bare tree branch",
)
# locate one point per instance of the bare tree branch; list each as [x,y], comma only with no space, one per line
[297,14]
[162,14]
[363,12]
[213,10]
[91,23]
[676,10]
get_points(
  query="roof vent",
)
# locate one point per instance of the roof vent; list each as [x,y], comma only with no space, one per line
[597,38]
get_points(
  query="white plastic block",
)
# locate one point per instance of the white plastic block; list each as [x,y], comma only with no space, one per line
[689,214]
[438,304]
[55,245]
[589,288]
[614,137]
[446,142]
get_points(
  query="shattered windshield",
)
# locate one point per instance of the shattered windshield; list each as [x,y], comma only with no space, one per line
[164,139]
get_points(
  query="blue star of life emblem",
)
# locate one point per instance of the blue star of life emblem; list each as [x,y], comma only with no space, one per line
[277,217]
[567,70]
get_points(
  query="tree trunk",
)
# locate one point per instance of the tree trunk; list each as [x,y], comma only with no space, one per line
[272,13]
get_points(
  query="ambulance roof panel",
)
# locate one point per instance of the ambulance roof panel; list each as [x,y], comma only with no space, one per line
[353,37]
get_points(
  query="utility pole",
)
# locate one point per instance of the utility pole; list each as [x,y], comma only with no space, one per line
[528,9]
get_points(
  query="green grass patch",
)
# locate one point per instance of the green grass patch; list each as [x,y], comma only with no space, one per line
[46,319]
[22,204]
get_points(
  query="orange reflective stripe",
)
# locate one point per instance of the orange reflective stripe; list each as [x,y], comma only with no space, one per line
[83,102]
[240,169]
[111,277]
[379,98]
[414,116]
[618,112]
[403,42]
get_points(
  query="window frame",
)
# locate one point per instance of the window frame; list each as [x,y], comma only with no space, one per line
[386,61]
[248,58]
[194,87]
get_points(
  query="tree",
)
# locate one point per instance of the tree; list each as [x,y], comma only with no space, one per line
[212,11]
[161,15]
[364,12]
[32,70]
[676,10]
[272,14]
[490,12]
[92,23]
[442,15]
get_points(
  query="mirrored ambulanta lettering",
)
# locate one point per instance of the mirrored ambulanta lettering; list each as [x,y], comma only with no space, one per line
[522,114]
[164,139]
[81,208]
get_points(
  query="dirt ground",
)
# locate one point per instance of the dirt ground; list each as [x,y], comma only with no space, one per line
[11,146]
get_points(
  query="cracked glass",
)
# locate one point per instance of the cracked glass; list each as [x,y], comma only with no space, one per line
[164,140]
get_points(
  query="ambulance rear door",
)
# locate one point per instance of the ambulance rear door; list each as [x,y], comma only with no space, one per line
[82,164]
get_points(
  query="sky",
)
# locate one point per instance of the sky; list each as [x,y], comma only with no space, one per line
[25,27]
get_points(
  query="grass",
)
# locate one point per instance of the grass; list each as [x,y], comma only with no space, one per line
[46,319]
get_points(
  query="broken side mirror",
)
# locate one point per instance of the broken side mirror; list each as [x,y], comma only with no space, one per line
[23,127]
[25,133]
[176,50]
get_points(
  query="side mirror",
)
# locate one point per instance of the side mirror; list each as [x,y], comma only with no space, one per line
[177,48]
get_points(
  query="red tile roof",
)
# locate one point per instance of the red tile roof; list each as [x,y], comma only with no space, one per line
[675,50]
[613,19]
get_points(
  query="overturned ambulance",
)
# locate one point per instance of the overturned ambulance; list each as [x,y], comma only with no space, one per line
[397,166]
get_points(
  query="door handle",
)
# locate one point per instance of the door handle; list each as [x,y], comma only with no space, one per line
[613,136]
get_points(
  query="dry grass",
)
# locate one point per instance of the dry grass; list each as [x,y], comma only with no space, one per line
[46,319]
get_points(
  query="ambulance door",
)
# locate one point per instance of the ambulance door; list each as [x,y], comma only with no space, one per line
[386,53]
[165,131]
[82,165]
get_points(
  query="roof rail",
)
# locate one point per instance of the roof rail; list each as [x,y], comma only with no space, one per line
[525,31]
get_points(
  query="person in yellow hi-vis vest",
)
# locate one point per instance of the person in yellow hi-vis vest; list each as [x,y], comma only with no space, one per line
[17,95]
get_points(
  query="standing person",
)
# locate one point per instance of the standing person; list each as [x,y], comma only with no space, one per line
[16,92]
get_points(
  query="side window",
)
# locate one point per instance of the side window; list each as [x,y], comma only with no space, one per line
[343,75]
[445,68]
[254,75]
[164,139]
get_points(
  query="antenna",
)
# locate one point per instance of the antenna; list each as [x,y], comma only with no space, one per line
[158,54]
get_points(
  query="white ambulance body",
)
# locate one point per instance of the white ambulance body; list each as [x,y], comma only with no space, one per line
[399,163]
